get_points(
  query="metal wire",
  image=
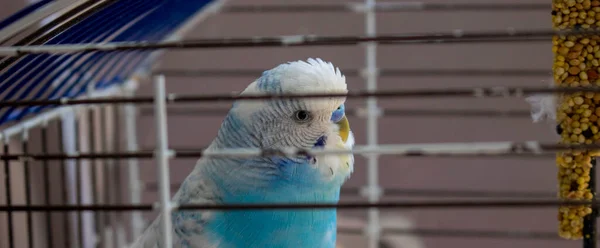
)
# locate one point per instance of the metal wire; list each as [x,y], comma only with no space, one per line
[8,192]
[27,179]
[429,193]
[382,7]
[478,92]
[46,182]
[116,166]
[421,205]
[92,147]
[241,72]
[65,186]
[457,36]
[56,26]
[173,111]
[104,219]
[457,233]
[78,182]
[441,193]
[472,149]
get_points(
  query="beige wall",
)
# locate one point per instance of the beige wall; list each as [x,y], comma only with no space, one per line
[428,173]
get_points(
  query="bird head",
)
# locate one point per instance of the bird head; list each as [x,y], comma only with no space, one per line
[304,123]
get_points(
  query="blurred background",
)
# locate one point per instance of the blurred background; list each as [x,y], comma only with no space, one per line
[190,129]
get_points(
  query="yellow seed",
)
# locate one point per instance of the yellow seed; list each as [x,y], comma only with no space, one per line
[590,20]
[568,159]
[589,95]
[569,44]
[584,41]
[574,62]
[578,100]
[562,58]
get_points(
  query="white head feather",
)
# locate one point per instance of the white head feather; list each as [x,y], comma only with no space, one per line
[298,77]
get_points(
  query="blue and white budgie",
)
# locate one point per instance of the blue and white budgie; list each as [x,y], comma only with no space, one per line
[298,122]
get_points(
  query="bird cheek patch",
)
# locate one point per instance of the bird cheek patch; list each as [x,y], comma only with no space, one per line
[321,142]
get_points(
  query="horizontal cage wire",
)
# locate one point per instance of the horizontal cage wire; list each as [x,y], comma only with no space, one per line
[68,90]
[381,72]
[383,7]
[479,92]
[473,149]
[455,36]
[187,111]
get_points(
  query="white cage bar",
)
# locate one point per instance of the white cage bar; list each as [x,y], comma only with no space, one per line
[162,159]
[372,187]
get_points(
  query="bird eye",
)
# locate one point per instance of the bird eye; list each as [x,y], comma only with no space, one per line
[302,116]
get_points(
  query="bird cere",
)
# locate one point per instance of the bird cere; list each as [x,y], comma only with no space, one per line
[304,123]
[576,64]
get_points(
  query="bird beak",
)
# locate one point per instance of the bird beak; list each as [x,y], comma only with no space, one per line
[344,128]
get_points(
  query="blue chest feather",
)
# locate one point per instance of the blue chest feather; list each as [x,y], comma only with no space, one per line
[275,228]
[280,228]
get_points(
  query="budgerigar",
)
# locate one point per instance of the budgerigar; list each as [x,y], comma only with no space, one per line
[292,122]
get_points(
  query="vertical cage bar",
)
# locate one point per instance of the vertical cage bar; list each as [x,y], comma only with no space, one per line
[133,171]
[65,186]
[372,132]
[46,172]
[120,231]
[27,177]
[109,167]
[162,155]
[105,227]
[70,132]
[8,191]
[78,191]
[92,148]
